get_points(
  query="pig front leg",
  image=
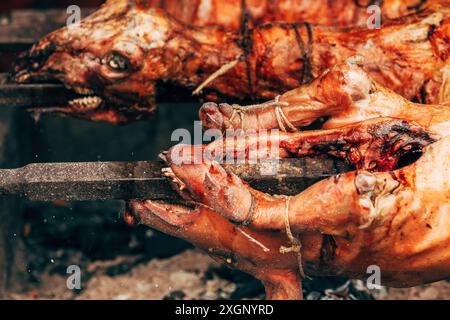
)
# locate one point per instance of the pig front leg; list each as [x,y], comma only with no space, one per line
[374,145]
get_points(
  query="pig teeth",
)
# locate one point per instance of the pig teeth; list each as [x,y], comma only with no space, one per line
[84,91]
[86,103]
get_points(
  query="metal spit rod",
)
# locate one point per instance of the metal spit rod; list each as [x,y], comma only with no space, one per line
[143,180]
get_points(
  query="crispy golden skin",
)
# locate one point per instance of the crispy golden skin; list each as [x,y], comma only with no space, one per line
[397,220]
[383,215]
[229,13]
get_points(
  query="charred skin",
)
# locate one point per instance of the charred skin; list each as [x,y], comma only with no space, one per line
[229,14]
[396,220]
[345,94]
[124,50]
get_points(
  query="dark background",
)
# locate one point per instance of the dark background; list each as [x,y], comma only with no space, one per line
[43,4]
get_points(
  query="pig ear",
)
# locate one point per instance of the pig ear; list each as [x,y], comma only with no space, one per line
[172,214]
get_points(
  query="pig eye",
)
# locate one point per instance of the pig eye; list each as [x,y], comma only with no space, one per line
[35,65]
[118,63]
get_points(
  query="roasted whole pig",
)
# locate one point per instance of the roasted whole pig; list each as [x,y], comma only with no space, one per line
[387,213]
[230,14]
[115,58]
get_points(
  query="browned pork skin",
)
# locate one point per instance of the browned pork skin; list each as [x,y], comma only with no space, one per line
[230,13]
[345,93]
[120,53]
[396,220]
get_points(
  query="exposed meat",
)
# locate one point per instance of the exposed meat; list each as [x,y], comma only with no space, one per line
[345,93]
[396,220]
[231,13]
[122,51]
[374,145]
